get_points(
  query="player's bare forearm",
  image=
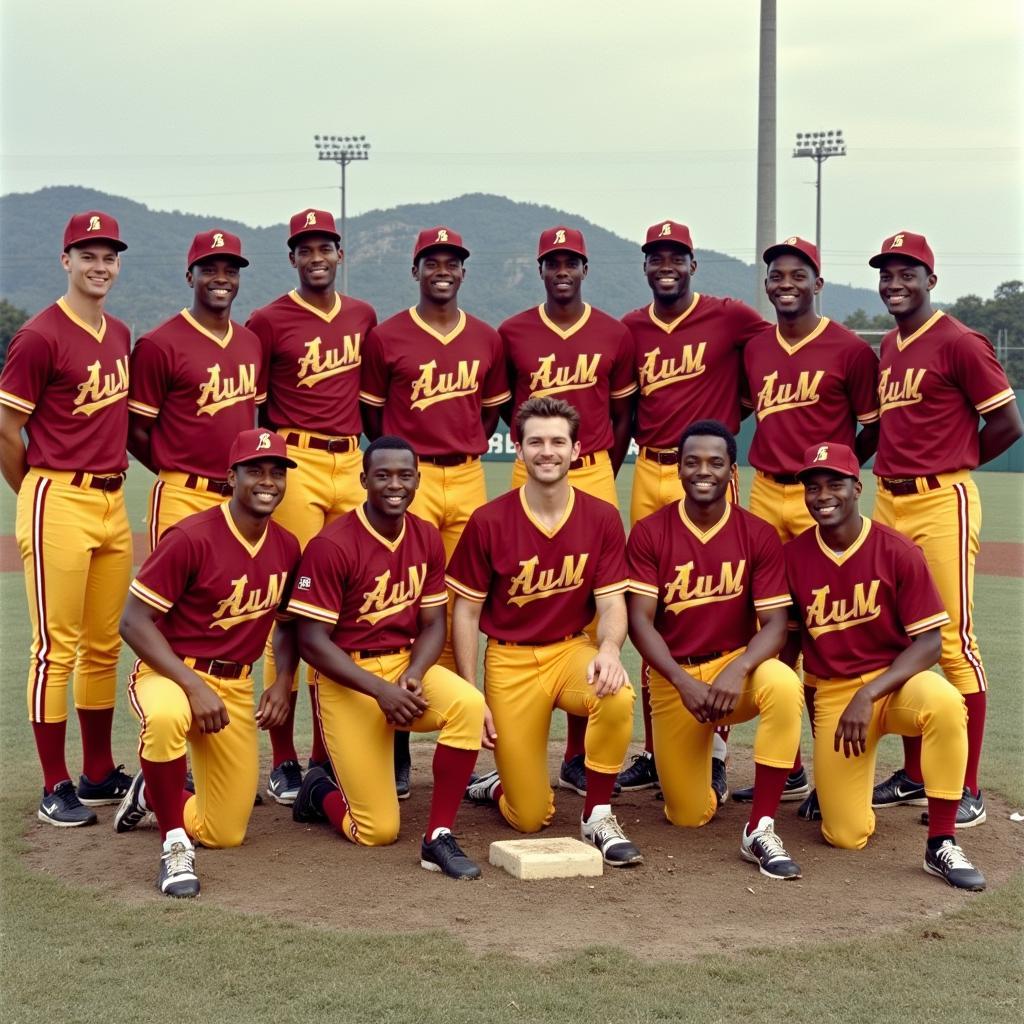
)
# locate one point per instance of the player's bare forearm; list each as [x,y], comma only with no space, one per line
[318,650]
[13,463]
[427,647]
[612,621]
[286,648]
[1002,427]
[767,641]
[866,443]
[622,424]
[920,656]
[466,637]
[140,431]
[373,420]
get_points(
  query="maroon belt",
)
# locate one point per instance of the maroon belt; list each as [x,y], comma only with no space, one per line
[222,487]
[454,459]
[664,457]
[901,485]
[539,643]
[219,669]
[583,460]
[383,653]
[325,444]
[700,659]
[98,483]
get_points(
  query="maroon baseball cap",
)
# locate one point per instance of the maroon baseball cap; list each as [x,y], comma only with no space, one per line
[907,245]
[210,244]
[836,458]
[561,240]
[438,238]
[312,222]
[807,251]
[668,232]
[93,226]
[253,445]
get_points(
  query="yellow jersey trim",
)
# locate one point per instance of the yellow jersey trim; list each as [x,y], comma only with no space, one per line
[902,343]
[570,331]
[476,596]
[79,322]
[924,625]
[489,403]
[219,342]
[150,597]
[391,545]
[433,332]
[794,347]
[141,409]
[569,505]
[21,404]
[252,549]
[612,589]
[669,328]
[696,530]
[865,528]
[313,611]
[434,600]
[643,589]
[766,604]
[374,400]
[995,401]
[303,304]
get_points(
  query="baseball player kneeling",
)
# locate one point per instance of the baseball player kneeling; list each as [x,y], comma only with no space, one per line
[198,615]
[707,611]
[370,597]
[871,622]
[531,569]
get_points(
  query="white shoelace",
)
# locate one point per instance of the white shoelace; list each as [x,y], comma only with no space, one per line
[953,856]
[180,860]
[770,841]
[609,829]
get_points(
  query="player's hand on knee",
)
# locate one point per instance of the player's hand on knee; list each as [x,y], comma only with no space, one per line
[694,696]
[274,706]
[207,708]
[606,674]
[489,734]
[413,684]
[725,691]
[400,706]
[852,730]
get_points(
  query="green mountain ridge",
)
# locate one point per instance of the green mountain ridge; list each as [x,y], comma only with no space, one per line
[501,274]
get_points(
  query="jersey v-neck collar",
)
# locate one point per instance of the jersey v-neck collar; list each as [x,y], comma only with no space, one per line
[79,322]
[549,533]
[843,556]
[567,332]
[252,549]
[391,545]
[902,343]
[703,536]
[669,328]
[433,332]
[310,308]
[220,342]
[791,348]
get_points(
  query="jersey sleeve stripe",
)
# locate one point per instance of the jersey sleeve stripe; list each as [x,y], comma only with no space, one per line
[434,600]
[260,399]
[995,401]
[312,611]
[365,396]
[141,409]
[769,603]
[462,590]
[613,588]
[21,404]
[150,597]
[626,392]
[924,625]
[496,399]
[646,589]
[869,417]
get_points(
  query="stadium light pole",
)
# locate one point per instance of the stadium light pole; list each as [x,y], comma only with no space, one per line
[342,150]
[819,146]
[764,231]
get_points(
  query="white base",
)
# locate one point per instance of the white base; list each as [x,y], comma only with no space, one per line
[550,857]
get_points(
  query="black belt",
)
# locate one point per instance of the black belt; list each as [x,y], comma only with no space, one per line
[583,460]
[663,456]
[219,669]
[448,460]
[204,483]
[539,643]
[383,653]
[98,483]
[700,659]
[783,478]
[900,485]
[324,444]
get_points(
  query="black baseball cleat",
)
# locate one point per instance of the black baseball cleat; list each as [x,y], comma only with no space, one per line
[810,810]
[402,783]
[606,834]
[283,784]
[572,774]
[326,765]
[62,808]
[481,788]
[764,848]
[110,791]
[177,875]
[445,855]
[719,780]
[642,773]
[132,809]
[304,809]
[898,789]
[971,811]
[796,788]
[950,863]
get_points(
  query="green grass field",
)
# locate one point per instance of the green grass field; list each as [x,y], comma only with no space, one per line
[71,955]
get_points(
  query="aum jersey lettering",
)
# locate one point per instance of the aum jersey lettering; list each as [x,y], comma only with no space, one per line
[709,586]
[538,585]
[72,382]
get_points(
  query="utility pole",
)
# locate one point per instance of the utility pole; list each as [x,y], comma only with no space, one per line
[342,150]
[765,232]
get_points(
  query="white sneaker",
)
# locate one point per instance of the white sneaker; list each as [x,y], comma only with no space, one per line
[178,866]
[764,848]
[603,831]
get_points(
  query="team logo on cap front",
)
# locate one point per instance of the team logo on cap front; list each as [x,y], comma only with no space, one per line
[559,237]
[666,230]
[442,235]
[822,454]
[263,442]
[897,242]
[218,241]
[94,224]
[310,219]
[791,241]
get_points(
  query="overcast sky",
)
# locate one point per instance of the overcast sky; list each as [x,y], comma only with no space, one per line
[623,114]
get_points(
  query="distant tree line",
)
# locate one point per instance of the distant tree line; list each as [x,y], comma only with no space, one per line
[1000,319]
[11,318]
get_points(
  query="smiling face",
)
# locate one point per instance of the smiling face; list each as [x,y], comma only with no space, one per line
[904,286]
[546,448]
[91,269]
[562,273]
[705,469]
[259,486]
[390,479]
[215,283]
[791,285]
[440,273]
[830,498]
[316,258]
[669,269]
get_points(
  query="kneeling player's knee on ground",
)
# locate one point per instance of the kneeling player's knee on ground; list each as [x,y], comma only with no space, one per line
[381,830]
[528,817]
[221,835]
[846,835]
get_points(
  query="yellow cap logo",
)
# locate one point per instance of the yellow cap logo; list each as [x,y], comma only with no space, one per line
[442,235]
[218,241]
[666,230]
[791,241]
[560,237]
[264,441]
[897,242]
[310,219]
[822,454]
[94,224]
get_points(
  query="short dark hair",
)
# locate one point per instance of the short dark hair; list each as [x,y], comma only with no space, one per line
[710,428]
[548,408]
[295,242]
[388,443]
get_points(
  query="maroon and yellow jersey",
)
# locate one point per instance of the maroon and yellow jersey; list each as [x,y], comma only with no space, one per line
[201,390]
[432,386]
[72,382]
[588,365]
[709,586]
[932,388]
[218,592]
[817,388]
[367,588]
[690,369]
[313,362]
[538,585]
[858,610]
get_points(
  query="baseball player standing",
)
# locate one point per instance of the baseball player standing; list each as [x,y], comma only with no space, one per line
[688,361]
[65,384]
[937,380]
[567,348]
[371,599]
[707,611]
[531,570]
[312,348]
[198,615]
[195,383]
[870,619]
